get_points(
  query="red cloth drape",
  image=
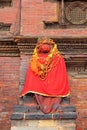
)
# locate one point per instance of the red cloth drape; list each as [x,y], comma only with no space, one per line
[55,84]
[48,104]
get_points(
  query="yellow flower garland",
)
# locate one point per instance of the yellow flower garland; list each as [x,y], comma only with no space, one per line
[42,69]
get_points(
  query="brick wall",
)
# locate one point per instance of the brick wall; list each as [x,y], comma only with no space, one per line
[10,15]
[23,67]
[79,99]
[9,89]
[9,82]
[33,13]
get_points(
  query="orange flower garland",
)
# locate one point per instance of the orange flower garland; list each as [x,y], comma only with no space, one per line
[42,69]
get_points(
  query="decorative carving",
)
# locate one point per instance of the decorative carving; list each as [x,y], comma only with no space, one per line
[4,3]
[74,50]
[5,27]
[72,14]
[8,48]
[26,45]
[76,13]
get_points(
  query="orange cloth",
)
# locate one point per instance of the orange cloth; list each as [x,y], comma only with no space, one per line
[55,83]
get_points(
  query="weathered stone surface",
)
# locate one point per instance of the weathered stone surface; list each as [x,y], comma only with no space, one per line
[64,115]
[69,109]
[38,116]
[46,125]
[66,100]
[34,128]
[16,116]
[28,113]
[64,119]
[67,124]
[69,115]
[20,108]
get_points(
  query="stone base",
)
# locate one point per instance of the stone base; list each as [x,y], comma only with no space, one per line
[43,125]
[24,119]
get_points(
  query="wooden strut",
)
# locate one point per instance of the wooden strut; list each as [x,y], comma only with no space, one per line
[62,12]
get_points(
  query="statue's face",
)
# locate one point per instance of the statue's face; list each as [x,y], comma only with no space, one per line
[44,48]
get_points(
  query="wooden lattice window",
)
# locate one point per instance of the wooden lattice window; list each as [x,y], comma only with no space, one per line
[5,27]
[72,14]
[4,3]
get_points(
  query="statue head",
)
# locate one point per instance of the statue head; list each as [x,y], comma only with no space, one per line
[44,45]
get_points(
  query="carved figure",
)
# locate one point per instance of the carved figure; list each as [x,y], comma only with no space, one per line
[47,77]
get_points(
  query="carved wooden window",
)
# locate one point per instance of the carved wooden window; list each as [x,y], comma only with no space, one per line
[5,27]
[72,14]
[4,3]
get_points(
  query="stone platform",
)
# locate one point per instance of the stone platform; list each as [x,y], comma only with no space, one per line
[29,117]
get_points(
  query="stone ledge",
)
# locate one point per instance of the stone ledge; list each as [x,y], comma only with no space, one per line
[26,109]
[41,116]
[69,109]
[16,116]
[22,112]
[65,115]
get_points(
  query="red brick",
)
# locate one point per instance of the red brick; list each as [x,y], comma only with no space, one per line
[33,13]
[9,83]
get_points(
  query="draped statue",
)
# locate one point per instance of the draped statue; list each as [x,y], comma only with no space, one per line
[46,76]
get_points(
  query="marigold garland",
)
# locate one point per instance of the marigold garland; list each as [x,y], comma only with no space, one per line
[42,69]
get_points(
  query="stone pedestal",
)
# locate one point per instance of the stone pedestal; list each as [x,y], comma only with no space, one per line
[30,118]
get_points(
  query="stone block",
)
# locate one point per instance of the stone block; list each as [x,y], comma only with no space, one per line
[65,115]
[20,108]
[69,115]
[67,124]
[33,123]
[16,116]
[37,116]
[47,123]
[33,128]
[69,109]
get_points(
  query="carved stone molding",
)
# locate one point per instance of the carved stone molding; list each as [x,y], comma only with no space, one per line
[74,50]
[8,48]
[26,45]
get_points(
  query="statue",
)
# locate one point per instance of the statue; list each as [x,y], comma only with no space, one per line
[47,77]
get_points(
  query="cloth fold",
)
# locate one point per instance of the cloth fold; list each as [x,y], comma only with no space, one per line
[48,104]
[55,85]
